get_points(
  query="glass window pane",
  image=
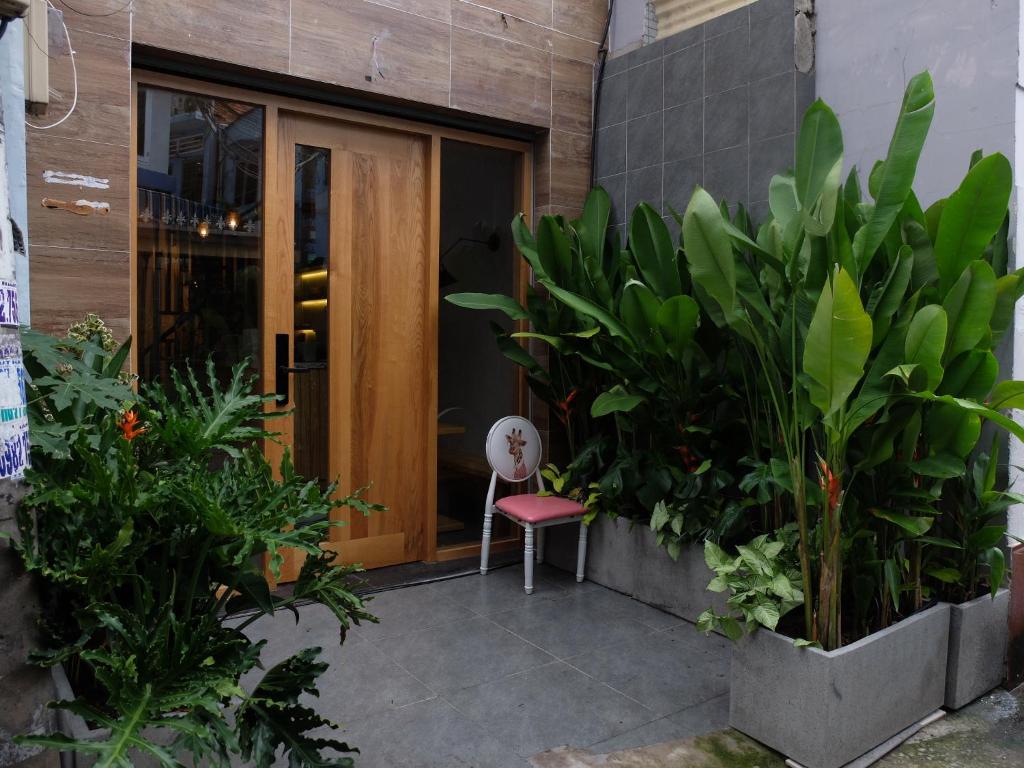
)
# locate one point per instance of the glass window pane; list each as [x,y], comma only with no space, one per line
[312,256]
[199,243]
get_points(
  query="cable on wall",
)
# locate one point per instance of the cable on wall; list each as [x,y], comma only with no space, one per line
[602,57]
[74,72]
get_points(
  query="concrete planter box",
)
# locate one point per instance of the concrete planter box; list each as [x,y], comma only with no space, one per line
[72,725]
[826,709]
[625,557]
[978,634]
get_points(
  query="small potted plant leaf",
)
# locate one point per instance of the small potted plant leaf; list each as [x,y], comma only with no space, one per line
[970,568]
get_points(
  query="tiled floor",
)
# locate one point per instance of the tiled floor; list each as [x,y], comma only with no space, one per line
[473,672]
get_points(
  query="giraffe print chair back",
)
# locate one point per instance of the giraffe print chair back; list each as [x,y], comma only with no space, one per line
[513,449]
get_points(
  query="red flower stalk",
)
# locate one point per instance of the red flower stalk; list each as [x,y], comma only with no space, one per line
[829,485]
[565,406]
[129,426]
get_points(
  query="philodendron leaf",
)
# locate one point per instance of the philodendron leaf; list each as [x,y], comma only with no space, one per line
[896,176]
[615,400]
[837,346]
[972,216]
[497,301]
[709,250]
[926,339]
[969,305]
[554,249]
[819,165]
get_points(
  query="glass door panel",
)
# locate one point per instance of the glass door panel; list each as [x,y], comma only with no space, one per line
[311,328]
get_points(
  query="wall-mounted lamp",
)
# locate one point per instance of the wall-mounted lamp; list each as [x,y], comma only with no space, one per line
[203,228]
[232,220]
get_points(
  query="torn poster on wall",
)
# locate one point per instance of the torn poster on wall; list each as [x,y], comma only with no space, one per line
[14,439]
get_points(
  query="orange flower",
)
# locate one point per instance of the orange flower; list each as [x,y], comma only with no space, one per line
[829,484]
[565,406]
[129,426]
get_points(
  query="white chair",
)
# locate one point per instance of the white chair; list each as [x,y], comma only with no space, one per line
[514,452]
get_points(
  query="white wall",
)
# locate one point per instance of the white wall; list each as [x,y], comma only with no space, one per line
[867,51]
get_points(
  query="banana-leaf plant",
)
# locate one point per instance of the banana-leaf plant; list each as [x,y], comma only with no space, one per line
[634,333]
[866,331]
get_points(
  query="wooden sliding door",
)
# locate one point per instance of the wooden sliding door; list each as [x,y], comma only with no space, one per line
[353,312]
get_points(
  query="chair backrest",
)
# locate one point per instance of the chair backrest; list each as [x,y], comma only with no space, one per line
[513,449]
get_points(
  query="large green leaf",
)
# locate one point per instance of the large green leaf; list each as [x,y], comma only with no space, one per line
[678,319]
[819,165]
[970,406]
[915,526]
[651,246]
[554,249]
[897,174]
[527,245]
[969,305]
[926,339]
[1007,394]
[709,251]
[970,374]
[615,400]
[639,311]
[590,309]
[1008,291]
[972,216]
[837,346]
[592,229]
[497,301]
[889,295]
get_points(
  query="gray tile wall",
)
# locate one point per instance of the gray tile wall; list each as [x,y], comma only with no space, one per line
[716,105]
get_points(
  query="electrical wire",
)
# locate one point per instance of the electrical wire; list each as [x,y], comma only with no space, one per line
[74,71]
[602,55]
[72,8]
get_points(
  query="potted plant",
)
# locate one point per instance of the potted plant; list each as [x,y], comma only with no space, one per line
[644,387]
[150,517]
[867,333]
[970,566]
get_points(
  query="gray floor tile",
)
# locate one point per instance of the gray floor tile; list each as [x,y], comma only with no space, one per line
[655,732]
[610,602]
[463,654]
[407,610]
[666,673]
[430,734]
[361,681]
[702,718]
[572,626]
[500,590]
[705,717]
[550,706]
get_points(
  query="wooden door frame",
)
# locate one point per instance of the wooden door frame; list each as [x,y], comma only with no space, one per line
[274,308]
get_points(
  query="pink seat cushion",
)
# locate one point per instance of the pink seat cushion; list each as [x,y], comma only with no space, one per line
[528,508]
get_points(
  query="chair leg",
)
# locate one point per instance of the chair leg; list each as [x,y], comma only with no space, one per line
[528,559]
[540,545]
[581,553]
[485,544]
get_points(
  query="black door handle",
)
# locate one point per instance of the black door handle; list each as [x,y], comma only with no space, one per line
[281,360]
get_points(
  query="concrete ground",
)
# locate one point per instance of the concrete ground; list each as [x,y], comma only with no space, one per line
[472,672]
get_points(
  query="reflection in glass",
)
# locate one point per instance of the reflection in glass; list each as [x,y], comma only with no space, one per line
[200,206]
[312,241]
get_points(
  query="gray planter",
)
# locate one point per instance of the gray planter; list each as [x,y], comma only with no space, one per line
[978,634]
[72,725]
[626,558]
[825,709]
